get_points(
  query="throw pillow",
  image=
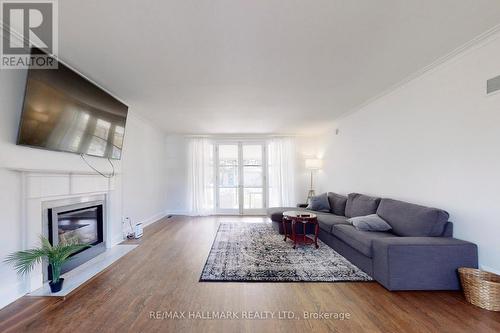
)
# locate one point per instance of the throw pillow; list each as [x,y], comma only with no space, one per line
[319,203]
[371,222]
[337,203]
[361,205]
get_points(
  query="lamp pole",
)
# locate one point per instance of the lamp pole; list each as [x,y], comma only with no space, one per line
[311,192]
[312,164]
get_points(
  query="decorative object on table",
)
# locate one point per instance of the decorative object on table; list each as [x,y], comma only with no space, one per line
[481,288]
[56,256]
[312,164]
[255,252]
[294,218]
[319,203]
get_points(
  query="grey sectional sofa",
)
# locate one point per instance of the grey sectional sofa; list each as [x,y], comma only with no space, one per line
[419,252]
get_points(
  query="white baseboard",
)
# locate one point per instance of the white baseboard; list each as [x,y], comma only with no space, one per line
[145,222]
[153,218]
[177,212]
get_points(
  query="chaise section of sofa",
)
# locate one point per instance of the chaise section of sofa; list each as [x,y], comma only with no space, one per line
[421,263]
[418,253]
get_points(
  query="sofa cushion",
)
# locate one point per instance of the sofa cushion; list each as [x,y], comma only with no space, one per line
[361,205]
[412,220]
[371,222]
[276,213]
[327,221]
[359,240]
[337,203]
[319,203]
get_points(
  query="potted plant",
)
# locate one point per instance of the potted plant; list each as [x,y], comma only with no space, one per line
[56,256]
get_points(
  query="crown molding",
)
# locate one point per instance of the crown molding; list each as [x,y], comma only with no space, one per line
[477,42]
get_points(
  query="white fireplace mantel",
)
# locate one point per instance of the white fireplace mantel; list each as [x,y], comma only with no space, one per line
[41,187]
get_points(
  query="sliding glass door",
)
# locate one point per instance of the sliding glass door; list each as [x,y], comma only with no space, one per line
[228,178]
[241,178]
[253,189]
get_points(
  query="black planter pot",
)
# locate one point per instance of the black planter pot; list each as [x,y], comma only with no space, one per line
[57,286]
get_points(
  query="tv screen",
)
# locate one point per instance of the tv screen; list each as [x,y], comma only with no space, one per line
[63,111]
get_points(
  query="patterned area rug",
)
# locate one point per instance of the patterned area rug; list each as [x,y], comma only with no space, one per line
[256,252]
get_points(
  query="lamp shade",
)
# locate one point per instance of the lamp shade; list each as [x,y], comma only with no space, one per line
[313,163]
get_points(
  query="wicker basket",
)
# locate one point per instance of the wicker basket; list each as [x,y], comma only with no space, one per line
[481,288]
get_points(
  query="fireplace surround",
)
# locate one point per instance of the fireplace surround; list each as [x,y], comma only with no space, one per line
[50,187]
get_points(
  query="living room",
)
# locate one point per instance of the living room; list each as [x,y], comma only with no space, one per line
[241,166]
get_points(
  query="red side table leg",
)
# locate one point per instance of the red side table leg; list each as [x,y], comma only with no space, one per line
[283,221]
[316,231]
[294,236]
[304,231]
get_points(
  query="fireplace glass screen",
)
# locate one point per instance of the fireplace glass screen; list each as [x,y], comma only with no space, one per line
[79,226]
[81,223]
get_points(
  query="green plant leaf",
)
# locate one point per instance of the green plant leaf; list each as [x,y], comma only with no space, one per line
[45,244]
[63,251]
[24,261]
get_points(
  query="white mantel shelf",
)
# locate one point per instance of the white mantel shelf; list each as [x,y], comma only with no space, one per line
[55,183]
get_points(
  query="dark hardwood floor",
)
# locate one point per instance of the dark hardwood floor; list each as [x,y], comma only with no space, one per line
[162,275]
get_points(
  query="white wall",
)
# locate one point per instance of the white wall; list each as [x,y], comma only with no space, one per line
[177,163]
[141,170]
[434,141]
[144,171]
[307,147]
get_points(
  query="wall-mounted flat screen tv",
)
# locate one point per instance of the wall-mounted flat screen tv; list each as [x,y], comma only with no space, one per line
[65,112]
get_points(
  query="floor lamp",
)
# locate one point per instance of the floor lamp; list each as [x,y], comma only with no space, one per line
[312,164]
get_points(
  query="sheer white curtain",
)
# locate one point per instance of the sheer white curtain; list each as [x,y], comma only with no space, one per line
[201,190]
[281,162]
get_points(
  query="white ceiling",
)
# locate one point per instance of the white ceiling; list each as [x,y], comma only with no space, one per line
[260,66]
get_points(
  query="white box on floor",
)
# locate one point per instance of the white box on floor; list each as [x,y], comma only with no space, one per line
[138,230]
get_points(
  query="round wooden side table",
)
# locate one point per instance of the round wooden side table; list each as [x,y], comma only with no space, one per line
[292,218]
